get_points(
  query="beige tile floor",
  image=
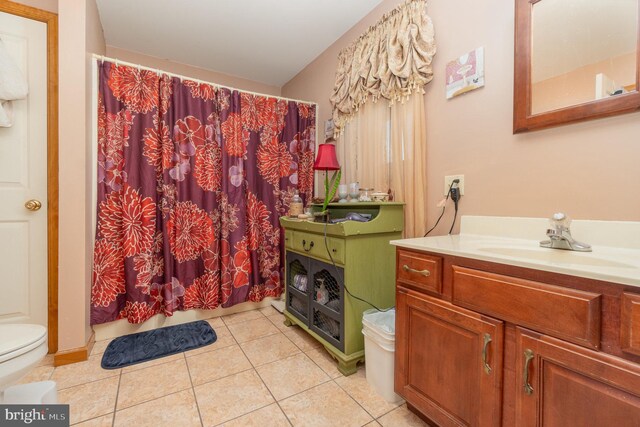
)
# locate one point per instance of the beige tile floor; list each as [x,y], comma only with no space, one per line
[258,373]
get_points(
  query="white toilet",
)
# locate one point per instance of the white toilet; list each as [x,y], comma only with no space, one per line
[22,347]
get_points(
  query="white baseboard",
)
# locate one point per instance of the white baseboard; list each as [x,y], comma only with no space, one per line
[121,327]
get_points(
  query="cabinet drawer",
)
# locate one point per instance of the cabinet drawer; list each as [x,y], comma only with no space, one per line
[630,323]
[288,239]
[313,245]
[565,313]
[419,271]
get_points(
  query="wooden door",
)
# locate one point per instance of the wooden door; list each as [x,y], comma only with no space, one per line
[23,177]
[448,361]
[562,384]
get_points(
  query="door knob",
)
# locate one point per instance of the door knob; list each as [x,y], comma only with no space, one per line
[33,205]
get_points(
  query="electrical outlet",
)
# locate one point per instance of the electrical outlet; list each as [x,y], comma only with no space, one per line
[449,179]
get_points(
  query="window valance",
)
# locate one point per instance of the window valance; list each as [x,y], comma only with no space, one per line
[392,59]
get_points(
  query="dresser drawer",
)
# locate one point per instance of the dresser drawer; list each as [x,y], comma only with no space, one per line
[313,245]
[420,271]
[565,313]
[288,239]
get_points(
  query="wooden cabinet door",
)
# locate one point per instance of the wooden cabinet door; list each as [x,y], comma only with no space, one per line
[448,361]
[562,384]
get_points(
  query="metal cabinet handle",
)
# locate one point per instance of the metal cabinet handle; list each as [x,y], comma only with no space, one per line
[528,357]
[304,242]
[487,341]
[425,273]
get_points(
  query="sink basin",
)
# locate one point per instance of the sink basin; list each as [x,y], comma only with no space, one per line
[556,256]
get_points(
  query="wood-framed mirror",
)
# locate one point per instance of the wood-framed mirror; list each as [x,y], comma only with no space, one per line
[575,60]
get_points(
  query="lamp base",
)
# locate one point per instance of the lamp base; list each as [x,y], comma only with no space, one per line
[321,216]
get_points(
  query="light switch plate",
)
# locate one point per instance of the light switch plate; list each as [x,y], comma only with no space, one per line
[449,179]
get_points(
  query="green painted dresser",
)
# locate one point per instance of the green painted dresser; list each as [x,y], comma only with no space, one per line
[325,257]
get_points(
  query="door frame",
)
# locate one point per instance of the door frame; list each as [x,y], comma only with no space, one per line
[51,20]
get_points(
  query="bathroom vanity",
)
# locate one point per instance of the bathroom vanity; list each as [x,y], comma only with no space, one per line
[497,331]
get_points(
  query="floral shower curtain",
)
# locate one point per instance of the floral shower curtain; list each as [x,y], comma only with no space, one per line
[191,181]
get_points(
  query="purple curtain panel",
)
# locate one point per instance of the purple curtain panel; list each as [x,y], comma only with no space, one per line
[191,181]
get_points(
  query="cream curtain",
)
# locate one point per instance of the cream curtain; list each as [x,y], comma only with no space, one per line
[366,147]
[409,162]
[391,60]
[385,148]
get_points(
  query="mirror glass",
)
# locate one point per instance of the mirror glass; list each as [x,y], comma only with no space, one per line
[581,51]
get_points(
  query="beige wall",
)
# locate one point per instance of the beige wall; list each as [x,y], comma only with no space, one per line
[579,85]
[72,158]
[191,71]
[588,170]
[80,33]
[94,44]
[48,5]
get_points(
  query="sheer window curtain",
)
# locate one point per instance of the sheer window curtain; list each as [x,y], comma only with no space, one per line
[385,148]
[408,144]
[366,147]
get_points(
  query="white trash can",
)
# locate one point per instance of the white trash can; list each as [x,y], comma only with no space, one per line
[379,330]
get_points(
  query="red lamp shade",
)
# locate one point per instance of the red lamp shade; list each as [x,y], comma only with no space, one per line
[326,160]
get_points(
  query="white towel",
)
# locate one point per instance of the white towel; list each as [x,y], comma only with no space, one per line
[13,86]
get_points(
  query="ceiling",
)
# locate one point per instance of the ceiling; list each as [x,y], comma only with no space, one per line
[569,34]
[267,41]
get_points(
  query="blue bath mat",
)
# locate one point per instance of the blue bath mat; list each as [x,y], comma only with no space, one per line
[145,346]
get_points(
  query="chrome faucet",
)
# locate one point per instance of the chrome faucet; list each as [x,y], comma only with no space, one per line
[560,235]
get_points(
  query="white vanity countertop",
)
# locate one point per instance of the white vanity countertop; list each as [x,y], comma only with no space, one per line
[515,241]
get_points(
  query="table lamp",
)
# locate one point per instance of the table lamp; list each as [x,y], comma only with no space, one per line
[328,161]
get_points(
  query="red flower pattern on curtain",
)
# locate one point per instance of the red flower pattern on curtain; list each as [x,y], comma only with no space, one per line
[191,181]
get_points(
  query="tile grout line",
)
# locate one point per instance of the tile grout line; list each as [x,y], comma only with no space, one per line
[295,394]
[266,386]
[240,416]
[210,351]
[221,378]
[187,355]
[255,339]
[147,401]
[357,403]
[88,382]
[154,398]
[302,351]
[91,419]
[349,394]
[150,366]
[373,416]
[388,412]
[115,404]
[274,399]
[241,321]
[193,389]
[50,375]
[297,350]
[318,365]
[250,320]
